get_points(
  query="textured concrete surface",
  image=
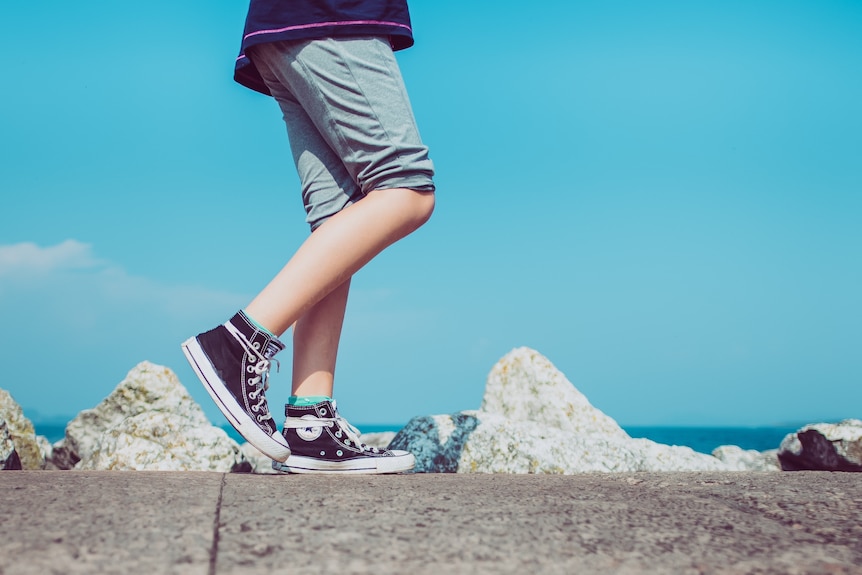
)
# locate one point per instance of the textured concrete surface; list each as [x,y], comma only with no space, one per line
[171,522]
[106,522]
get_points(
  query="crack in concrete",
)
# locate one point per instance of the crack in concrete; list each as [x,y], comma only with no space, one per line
[216,522]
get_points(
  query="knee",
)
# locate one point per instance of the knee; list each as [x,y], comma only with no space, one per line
[410,209]
[415,207]
[423,207]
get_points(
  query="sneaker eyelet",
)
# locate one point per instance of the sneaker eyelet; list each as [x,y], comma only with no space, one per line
[322,453]
[338,434]
[339,453]
[322,411]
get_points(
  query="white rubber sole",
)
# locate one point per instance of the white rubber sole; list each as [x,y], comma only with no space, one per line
[403,461]
[273,446]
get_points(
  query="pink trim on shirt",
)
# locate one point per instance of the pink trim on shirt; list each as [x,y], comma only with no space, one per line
[325,24]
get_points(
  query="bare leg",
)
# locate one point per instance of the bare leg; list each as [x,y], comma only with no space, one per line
[336,250]
[315,344]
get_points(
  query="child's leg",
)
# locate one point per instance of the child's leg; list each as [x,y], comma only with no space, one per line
[336,250]
[315,344]
[364,170]
[366,183]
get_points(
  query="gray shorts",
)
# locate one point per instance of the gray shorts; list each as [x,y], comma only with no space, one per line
[348,117]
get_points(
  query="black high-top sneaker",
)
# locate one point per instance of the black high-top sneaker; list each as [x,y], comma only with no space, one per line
[232,361]
[323,442]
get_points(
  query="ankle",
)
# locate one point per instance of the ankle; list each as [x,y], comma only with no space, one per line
[257,324]
[307,400]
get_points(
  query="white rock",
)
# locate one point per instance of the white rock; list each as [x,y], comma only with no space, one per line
[21,433]
[533,420]
[739,459]
[489,443]
[525,386]
[159,441]
[8,456]
[260,463]
[149,422]
[47,451]
[824,446]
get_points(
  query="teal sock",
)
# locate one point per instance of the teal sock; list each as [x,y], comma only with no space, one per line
[258,326]
[305,400]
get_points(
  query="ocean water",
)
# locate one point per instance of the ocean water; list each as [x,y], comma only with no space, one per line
[705,439]
[702,439]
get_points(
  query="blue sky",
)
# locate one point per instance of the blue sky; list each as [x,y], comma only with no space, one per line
[663,198]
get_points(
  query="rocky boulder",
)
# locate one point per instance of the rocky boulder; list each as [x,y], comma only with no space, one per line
[739,459]
[149,422]
[8,455]
[257,461]
[525,386]
[20,433]
[823,446]
[533,420]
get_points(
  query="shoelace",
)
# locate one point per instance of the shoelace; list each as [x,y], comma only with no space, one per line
[342,425]
[261,370]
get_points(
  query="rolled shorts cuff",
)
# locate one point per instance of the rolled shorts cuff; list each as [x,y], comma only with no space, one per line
[417,183]
[349,120]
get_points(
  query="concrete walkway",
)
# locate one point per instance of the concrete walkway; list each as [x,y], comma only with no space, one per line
[209,523]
